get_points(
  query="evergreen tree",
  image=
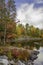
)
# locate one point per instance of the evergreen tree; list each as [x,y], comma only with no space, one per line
[12,9]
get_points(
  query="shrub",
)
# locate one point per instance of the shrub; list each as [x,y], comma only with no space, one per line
[21,54]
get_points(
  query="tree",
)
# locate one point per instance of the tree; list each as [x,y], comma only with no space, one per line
[11,9]
[41,35]
[27,28]
[20,30]
[7,14]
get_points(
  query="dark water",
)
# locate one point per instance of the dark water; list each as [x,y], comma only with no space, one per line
[39,60]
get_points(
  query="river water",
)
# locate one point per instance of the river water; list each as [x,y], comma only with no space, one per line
[39,60]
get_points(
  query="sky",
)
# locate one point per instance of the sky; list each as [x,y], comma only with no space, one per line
[30,11]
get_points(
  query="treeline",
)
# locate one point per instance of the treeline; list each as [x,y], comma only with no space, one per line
[28,30]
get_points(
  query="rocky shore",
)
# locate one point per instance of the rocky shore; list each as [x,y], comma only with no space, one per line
[29,62]
[33,57]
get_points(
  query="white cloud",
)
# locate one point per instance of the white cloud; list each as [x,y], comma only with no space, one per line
[39,1]
[27,14]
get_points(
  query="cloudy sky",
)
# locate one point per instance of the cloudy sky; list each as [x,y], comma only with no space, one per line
[30,11]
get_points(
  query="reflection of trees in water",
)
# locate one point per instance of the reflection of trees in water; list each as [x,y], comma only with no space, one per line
[37,46]
[31,45]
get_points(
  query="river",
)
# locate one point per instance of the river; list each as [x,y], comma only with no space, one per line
[39,60]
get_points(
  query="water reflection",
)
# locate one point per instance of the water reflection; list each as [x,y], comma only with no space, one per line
[39,60]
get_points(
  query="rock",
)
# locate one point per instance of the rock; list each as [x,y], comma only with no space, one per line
[3,57]
[11,62]
[33,57]
[4,61]
[35,52]
[20,63]
[29,62]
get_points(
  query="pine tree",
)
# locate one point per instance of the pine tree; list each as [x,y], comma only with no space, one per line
[12,9]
